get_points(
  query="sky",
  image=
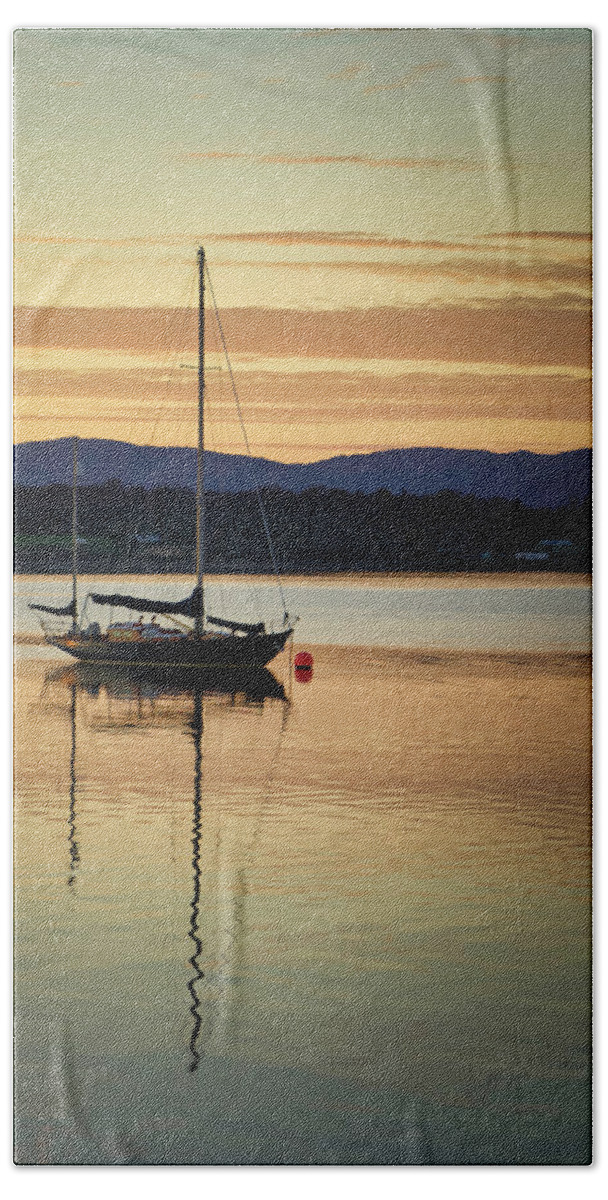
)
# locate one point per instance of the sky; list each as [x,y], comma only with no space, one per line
[396,222]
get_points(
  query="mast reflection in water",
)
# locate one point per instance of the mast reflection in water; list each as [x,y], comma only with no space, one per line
[251,687]
[72,843]
[197,733]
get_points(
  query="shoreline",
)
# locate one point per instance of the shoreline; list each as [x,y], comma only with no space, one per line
[380,579]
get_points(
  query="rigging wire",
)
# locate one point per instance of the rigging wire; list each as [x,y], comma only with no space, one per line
[170,360]
[209,437]
[256,611]
[247,446]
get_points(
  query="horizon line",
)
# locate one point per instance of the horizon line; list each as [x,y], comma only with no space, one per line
[310,462]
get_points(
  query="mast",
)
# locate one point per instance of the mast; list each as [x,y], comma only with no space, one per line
[200,482]
[74,529]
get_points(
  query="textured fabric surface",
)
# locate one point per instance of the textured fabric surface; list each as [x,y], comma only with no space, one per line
[302,340]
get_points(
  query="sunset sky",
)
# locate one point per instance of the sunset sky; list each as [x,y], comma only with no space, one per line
[397,226]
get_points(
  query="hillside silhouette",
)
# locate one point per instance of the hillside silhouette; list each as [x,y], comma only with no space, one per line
[539,480]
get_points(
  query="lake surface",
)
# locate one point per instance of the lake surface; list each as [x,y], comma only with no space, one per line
[506,612]
[347,924]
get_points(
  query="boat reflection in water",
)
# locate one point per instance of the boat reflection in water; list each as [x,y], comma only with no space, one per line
[139,692]
[239,685]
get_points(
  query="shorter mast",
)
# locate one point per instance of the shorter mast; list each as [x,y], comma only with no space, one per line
[74,530]
[200,449]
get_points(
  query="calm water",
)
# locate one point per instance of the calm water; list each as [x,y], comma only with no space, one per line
[350,925]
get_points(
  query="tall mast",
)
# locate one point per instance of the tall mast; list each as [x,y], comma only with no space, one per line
[200,482]
[74,529]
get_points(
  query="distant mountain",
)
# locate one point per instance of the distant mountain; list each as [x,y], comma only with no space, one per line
[537,480]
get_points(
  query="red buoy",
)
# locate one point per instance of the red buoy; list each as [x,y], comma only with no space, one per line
[303,659]
[303,666]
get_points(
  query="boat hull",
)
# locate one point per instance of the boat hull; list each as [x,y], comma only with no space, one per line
[253,650]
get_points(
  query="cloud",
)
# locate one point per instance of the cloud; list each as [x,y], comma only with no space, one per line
[357,160]
[546,235]
[481,79]
[417,73]
[536,333]
[295,237]
[464,270]
[354,239]
[70,83]
[349,72]
[439,390]
[289,237]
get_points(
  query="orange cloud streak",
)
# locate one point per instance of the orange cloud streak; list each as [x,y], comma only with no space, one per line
[289,237]
[464,270]
[348,72]
[542,234]
[309,397]
[481,79]
[535,333]
[357,160]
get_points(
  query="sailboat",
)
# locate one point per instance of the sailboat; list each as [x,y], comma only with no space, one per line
[214,642]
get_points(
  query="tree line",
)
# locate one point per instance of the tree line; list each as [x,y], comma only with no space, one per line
[133,529]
